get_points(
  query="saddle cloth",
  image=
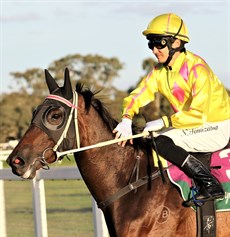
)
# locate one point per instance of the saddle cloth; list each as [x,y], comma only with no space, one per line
[184,183]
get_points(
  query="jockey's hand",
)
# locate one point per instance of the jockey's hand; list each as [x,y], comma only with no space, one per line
[154,125]
[123,129]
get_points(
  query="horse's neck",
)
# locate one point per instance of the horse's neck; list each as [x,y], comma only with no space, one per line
[92,129]
[101,168]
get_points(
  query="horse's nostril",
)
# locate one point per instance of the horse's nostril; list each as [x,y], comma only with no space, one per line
[18,161]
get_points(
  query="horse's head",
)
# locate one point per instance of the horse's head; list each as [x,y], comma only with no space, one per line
[51,129]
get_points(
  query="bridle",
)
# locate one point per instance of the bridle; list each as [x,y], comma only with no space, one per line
[73,115]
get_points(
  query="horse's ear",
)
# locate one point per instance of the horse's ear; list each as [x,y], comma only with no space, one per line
[51,83]
[67,86]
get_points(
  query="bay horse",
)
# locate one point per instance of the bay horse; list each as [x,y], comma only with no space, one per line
[70,119]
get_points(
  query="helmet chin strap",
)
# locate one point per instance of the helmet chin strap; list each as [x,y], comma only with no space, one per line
[172,51]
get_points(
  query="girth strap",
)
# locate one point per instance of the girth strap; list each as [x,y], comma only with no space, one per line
[206,214]
[206,220]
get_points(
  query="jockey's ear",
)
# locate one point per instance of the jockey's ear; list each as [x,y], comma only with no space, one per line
[176,44]
[51,83]
[67,88]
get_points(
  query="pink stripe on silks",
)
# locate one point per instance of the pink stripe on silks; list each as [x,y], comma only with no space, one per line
[194,69]
[174,108]
[61,99]
[184,71]
[178,92]
[137,95]
[193,89]
[199,57]
[168,22]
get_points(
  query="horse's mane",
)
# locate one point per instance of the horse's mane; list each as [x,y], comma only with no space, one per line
[90,99]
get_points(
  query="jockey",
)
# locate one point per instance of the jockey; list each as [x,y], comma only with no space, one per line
[201,122]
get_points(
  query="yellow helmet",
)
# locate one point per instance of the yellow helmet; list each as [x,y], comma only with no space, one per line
[168,25]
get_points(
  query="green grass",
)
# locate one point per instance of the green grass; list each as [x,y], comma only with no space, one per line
[68,203]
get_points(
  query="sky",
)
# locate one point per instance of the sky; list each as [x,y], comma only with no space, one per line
[35,33]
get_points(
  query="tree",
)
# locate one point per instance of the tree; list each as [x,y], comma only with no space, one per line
[93,70]
[88,69]
[31,81]
[15,114]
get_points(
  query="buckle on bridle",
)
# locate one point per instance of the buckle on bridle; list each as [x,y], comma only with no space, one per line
[45,164]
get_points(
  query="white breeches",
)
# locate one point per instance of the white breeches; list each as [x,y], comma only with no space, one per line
[207,138]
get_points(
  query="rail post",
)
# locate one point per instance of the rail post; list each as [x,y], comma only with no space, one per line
[100,228]
[39,204]
[2,206]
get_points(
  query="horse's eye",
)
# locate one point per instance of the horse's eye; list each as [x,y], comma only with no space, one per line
[55,116]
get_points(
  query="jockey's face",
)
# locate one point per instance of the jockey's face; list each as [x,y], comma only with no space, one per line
[162,54]
[159,46]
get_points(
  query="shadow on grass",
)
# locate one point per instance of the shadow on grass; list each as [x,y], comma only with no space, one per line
[63,210]
[56,210]
[73,195]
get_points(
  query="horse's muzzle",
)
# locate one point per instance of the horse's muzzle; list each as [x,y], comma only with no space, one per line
[19,167]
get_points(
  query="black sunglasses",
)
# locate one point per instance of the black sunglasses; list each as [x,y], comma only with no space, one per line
[159,43]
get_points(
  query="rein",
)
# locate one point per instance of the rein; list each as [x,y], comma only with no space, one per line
[101,144]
